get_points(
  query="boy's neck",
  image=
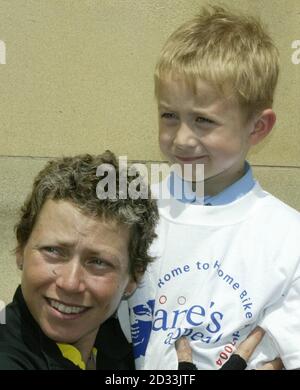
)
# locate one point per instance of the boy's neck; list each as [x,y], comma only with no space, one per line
[216,184]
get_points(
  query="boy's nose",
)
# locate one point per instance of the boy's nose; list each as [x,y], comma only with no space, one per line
[185,137]
[69,277]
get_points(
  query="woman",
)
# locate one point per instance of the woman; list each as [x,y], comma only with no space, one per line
[79,256]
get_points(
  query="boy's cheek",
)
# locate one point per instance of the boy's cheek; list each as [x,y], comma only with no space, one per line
[165,146]
[163,142]
[165,137]
[167,154]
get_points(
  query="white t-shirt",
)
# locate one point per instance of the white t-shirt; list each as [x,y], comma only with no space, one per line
[220,271]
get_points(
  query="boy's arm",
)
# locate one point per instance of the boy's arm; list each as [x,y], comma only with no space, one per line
[237,361]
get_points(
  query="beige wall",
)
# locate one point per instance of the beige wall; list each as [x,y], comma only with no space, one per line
[78,78]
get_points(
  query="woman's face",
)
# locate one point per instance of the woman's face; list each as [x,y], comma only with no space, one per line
[75,271]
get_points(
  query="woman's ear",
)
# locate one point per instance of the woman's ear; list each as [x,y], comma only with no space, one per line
[262,126]
[130,288]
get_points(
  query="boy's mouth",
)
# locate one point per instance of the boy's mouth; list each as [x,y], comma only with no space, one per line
[190,159]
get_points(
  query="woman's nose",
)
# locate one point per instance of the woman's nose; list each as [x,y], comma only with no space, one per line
[69,276]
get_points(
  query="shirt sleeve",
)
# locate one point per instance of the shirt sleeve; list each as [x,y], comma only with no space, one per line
[282,323]
[14,361]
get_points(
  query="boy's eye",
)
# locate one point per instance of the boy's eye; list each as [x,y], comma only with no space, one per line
[168,115]
[201,119]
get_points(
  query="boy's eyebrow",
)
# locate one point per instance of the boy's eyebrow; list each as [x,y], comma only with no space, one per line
[205,111]
[164,105]
[198,110]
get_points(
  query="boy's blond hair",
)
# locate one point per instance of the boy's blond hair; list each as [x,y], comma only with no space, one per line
[229,50]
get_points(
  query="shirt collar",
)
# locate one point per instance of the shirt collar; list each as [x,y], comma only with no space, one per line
[71,353]
[182,190]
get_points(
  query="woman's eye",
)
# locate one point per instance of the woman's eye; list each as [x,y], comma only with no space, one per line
[52,251]
[98,262]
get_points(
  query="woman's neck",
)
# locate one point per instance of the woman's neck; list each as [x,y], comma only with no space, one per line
[85,347]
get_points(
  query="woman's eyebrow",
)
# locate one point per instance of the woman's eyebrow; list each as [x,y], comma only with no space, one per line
[105,253]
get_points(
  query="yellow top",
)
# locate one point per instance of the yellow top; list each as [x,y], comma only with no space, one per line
[71,353]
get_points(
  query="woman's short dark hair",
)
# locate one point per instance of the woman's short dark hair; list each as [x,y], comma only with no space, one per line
[75,179]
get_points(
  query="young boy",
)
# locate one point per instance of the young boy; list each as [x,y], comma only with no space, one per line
[230,261]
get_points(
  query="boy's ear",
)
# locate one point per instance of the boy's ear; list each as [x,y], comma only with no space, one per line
[19,258]
[262,126]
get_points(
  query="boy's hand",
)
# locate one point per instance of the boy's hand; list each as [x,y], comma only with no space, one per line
[275,364]
[184,355]
[184,351]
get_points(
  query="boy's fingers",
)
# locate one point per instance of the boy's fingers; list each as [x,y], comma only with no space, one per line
[247,347]
[275,364]
[184,351]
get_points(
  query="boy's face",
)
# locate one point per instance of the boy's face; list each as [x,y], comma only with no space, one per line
[203,128]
